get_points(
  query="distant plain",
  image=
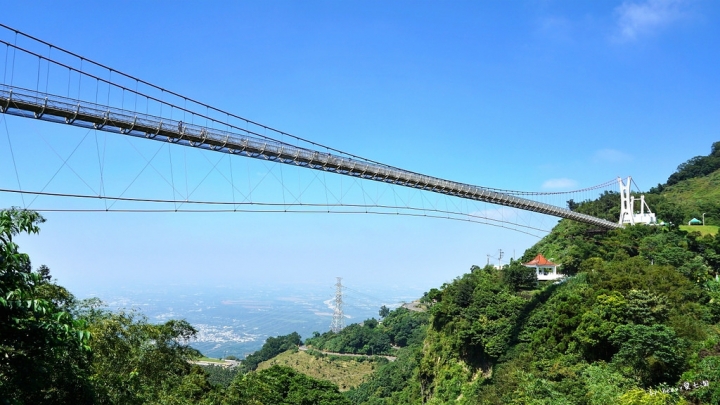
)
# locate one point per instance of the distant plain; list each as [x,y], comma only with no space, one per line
[237,320]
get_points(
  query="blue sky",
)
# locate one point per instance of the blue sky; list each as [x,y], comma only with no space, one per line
[532,95]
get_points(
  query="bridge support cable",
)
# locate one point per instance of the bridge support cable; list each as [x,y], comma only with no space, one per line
[259,131]
[208,108]
[59,109]
[231,138]
[12,155]
[295,208]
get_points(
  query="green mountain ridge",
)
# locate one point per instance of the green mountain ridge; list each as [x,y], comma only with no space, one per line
[696,196]
[637,319]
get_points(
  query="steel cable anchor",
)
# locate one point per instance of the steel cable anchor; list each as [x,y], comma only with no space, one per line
[40,114]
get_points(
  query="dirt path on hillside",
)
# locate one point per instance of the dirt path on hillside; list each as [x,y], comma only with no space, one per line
[305,348]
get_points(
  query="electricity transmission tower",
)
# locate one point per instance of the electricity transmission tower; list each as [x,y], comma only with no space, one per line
[338,321]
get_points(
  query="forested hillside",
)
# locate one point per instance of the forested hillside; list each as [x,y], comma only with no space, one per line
[636,321]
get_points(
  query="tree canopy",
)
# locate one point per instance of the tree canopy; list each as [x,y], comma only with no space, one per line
[57,350]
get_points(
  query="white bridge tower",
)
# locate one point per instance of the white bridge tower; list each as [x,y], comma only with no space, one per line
[627,207]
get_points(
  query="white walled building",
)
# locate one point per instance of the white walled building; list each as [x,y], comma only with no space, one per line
[544,268]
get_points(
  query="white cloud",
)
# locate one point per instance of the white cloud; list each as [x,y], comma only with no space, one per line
[636,19]
[559,183]
[611,156]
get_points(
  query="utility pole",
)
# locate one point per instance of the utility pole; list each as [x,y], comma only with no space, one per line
[703,219]
[338,320]
[500,256]
[488,262]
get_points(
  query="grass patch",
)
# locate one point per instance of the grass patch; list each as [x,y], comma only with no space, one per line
[711,230]
[695,196]
[210,360]
[344,373]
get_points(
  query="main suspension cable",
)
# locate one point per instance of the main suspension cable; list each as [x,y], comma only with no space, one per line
[229,114]
[244,203]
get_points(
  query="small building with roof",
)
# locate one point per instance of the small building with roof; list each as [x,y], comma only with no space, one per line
[695,221]
[544,268]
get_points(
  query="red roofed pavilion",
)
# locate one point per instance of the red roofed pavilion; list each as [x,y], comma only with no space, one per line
[542,268]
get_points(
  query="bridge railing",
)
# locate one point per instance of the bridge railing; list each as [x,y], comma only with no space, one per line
[33,104]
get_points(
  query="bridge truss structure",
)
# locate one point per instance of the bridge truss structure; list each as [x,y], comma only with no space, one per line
[180,120]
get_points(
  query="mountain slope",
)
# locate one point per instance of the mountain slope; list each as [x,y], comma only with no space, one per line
[639,315]
[696,196]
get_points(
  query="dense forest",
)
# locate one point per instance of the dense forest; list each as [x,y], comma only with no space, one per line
[636,321]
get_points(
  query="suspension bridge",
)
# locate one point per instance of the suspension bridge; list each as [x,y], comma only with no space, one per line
[44,82]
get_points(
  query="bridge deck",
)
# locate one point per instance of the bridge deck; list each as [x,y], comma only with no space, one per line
[53,108]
